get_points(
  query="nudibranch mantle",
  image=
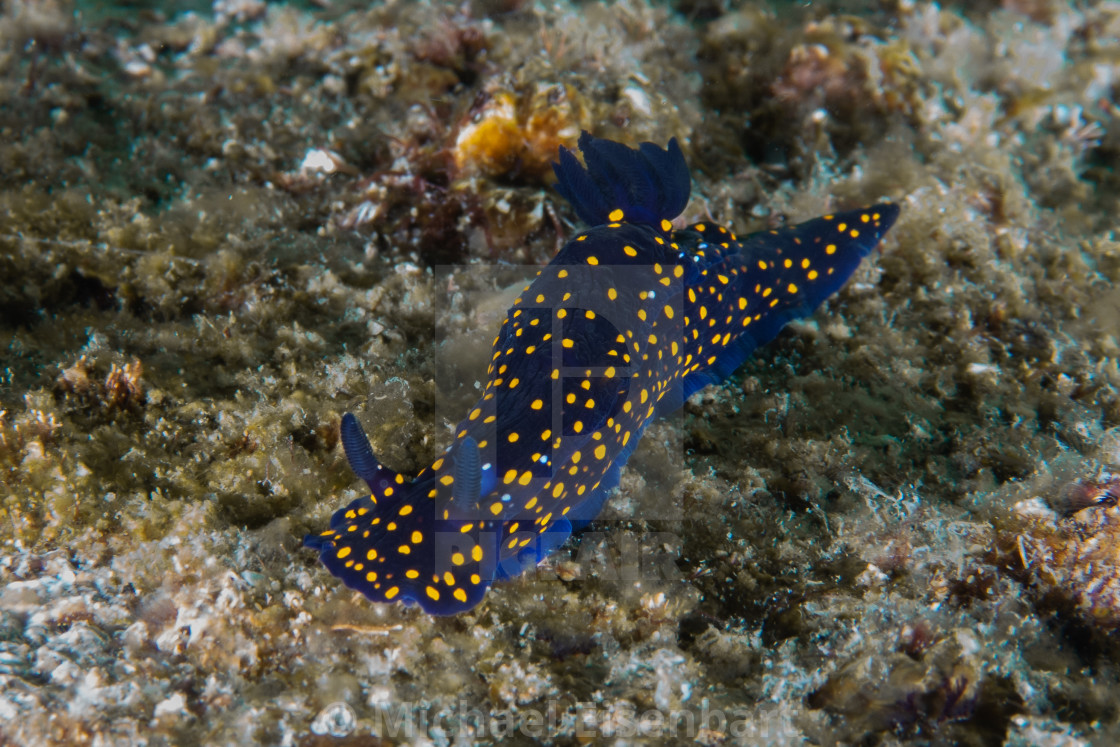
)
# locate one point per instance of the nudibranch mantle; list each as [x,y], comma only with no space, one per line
[629,319]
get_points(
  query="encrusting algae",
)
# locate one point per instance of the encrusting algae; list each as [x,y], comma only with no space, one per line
[222,231]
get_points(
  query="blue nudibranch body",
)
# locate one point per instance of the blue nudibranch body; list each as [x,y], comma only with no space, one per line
[628,320]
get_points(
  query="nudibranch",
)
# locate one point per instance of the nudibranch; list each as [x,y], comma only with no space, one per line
[629,319]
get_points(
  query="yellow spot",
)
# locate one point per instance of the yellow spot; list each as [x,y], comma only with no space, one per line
[391,526]
[854,233]
[562,274]
[557,489]
[788,263]
[343,553]
[701,227]
[630,251]
[615,216]
[830,249]
[526,476]
[812,274]
[432,592]
[448,578]
[474,414]
[612,294]
[642,314]
[678,271]
[578,426]
[666,226]
[766,293]
[446,480]
[600,451]
[412,574]
[404,549]
[792,288]
[460,595]
[476,579]
[545,435]
[458,559]
[466,528]
[476,554]
[371,576]
[592,260]
[509,476]
[668,311]
[371,555]
[567,343]
[842,227]
[537,404]
[392,592]
[417,538]
[864,218]
[761,265]
[496,507]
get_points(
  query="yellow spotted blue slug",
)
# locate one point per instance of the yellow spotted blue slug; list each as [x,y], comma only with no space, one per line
[629,319]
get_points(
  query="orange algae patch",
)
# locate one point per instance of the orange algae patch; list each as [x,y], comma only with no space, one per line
[512,133]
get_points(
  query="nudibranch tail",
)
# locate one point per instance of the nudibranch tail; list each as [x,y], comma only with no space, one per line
[779,276]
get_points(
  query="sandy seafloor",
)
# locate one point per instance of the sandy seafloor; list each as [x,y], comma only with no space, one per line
[223,226]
